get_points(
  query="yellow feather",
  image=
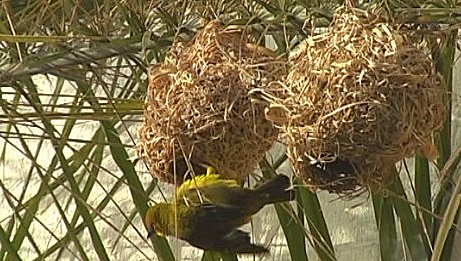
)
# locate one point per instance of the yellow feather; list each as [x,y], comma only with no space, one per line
[207,180]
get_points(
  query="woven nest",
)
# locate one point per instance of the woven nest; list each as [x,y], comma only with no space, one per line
[198,110]
[358,98]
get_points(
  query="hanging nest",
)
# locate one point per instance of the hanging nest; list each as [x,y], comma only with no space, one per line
[198,110]
[359,98]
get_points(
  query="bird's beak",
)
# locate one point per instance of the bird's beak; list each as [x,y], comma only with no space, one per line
[150,234]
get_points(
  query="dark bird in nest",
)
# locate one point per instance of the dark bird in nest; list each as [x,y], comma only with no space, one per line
[337,175]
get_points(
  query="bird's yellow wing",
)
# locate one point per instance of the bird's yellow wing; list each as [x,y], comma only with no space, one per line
[210,187]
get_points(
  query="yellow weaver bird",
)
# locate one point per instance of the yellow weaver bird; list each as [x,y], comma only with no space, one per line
[209,209]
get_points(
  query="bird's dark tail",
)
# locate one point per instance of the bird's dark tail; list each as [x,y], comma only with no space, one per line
[251,249]
[276,190]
